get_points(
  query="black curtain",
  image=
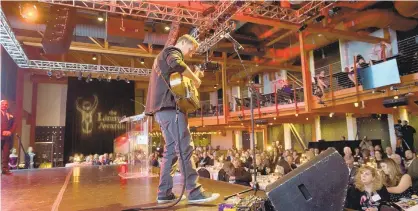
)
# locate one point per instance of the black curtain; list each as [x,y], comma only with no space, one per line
[93,113]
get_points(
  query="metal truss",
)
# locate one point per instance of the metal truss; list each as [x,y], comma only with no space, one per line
[10,43]
[15,50]
[217,36]
[144,9]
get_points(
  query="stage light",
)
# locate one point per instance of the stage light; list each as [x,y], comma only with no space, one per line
[331,114]
[117,78]
[94,57]
[100,78]
[80,76]
[88,79]
[49,73]
[215,86]
[127,81]
[395,107]
[274,118]
[356,104]
[28,11]
[167,28]
[100,18]
[396,97]
[319,19]
[303,27]
[109,78]
[307,118]
[142,61]
[296,115]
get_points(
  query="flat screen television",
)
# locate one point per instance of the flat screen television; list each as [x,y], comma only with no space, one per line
[379,75]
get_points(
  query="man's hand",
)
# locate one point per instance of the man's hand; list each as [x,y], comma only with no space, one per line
[197,82]
[6,133]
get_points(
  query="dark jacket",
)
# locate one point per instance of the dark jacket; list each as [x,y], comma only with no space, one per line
[168,61]
[357,199]
[242,177]
[7,124]
[223,176]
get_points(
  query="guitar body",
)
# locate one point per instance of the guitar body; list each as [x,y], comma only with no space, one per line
[188,94]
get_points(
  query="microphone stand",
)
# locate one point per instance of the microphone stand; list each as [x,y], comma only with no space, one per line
[252,91]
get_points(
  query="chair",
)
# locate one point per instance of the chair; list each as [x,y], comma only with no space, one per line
[202,172]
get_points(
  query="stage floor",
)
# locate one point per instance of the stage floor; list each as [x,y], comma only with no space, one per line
[91,188]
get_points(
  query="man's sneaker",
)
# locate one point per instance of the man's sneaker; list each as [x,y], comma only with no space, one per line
[204,197]
[168,199]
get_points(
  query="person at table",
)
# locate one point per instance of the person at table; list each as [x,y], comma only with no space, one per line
[368,191]
[352,170]
[365,143]
[378,158]
[205,159]
[398,185]
[260,167]
[388,151]
[365,156]
[241,176]
[347,151]
[227,170]
[398,160]
[409,158]
[357,154]
[296,157]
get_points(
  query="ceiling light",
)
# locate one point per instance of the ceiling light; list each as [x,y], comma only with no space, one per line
[258,125]
[296,114]
[396,97]
[49,73]
[94,57]
[274,118]
[303,27]
[242,123]
[127,81]
[270,123]
[100,78]
[109,78]
[319,18]
[331,114]
[307,118]
[356,104]
[100,18]
[167,28]
[142,61]
[395,107]
[28,11]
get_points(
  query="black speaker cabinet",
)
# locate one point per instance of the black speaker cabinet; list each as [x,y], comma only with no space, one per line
[59,30]
[389,103]
[319,184]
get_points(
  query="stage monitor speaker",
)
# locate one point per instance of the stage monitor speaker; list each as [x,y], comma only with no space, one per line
[59,30]
[401,101]
[319,184]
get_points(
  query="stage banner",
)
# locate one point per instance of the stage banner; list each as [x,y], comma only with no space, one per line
[93,113]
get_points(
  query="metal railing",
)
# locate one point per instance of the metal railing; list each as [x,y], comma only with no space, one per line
[208,109]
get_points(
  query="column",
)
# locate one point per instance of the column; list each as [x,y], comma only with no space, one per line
[392,134]
[236,93]
[265,137]
[317,128]
[287,136]
[403,114]
[238,139]
[306,74]
[33,113]
[351,127]
[224,88]
[19,106]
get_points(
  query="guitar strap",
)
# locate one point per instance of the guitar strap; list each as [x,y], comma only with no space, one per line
[157,69]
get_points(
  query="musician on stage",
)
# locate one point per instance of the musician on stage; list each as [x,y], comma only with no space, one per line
[161,104]
[7,128]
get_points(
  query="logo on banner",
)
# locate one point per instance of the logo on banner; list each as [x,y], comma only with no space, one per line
[87,109]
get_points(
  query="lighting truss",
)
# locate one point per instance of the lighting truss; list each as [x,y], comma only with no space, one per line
[10,43]
[15,50]
[217,36]
[143,9]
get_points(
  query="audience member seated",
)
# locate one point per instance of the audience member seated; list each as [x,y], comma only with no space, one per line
[378,157]
[204,173]
[368,191]
[316,152]
[347,151]
[409,158]
[388,151]
[296,157]
[365,156]
[204,160]
[398,160]
[398,185]
[227,170]
[241,176]
[357,155]
[352,170]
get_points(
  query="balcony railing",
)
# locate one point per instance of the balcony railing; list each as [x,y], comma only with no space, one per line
[208,109]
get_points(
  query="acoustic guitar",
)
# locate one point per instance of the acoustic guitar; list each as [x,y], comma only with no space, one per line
[184,88]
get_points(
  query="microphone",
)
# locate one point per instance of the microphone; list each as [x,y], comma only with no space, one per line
[235,42]
[137,102]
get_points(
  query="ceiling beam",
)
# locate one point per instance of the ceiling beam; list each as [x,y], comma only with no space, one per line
[96,42]
[269,33]
[124,51]
[347,35]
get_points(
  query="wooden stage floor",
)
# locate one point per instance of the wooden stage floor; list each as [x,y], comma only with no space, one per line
[92,188]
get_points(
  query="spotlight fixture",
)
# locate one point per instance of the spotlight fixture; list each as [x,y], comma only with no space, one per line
[94,57]
[296,114]
[28,11]
[215,86]
[356,104]
[88,79]
[49,73]
[127,81]
[274,118]
[80,76]
[109,78]
[395,107]
[319,18]
[117,78]
[303,27]
[100,78]
[307,118]
[331,114]
[100,18]
[142,61]
[167,28]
